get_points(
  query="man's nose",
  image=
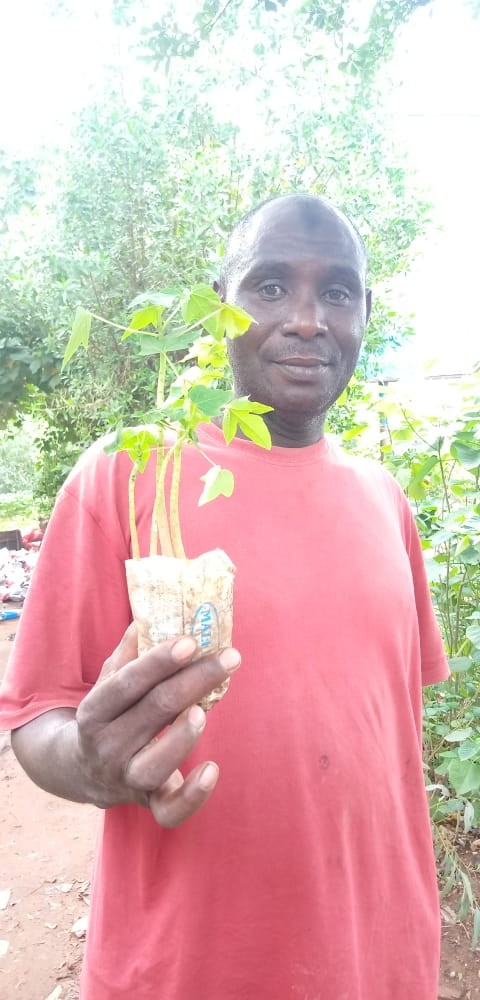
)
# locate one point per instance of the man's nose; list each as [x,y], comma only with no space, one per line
[307,320]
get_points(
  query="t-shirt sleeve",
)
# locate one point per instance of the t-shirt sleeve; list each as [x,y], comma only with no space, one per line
[434,661]
[77,606]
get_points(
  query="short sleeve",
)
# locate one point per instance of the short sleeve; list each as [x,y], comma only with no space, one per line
[77,607]
[434,661]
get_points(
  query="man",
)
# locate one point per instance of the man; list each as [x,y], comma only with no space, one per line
[309,873]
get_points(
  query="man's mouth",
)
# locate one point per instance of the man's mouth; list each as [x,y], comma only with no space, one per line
[302,367]
[303,361]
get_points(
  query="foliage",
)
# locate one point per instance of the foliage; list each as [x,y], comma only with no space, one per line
[436,459]
[18,477]
[456,875]
[153,182]
[164,40]
[196,395]
[17,461]
[431,444]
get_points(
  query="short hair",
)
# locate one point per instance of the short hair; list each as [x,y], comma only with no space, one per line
[306,202]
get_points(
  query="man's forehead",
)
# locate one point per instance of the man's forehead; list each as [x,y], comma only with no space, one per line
[284,232]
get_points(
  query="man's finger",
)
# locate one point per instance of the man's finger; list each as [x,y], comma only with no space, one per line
[126,651]
[124,687]
[170,808]
[166,701]
[151,767]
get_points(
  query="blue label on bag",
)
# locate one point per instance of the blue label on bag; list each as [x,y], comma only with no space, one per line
[205,628]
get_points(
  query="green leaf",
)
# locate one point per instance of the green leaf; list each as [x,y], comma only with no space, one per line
[255,429]
[353,432]
[468,816]
[476,929]
[209,352]
[230,424]
[467,455]
[457,735]
[402,475]
[442,537]
[166,415]
[201,302]
[463,544]
[164,299]
[218,482]
[460,664]
[470,555]
[79,336]
[468,750]
[464,776]
[138,442]
[209,401]
[467,898]
[235,321]
[149,344]
[473,633]
[154,344]
[402,434]
[245,403]
[149,316]
[416,487]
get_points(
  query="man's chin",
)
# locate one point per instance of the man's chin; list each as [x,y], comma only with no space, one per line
[298,405]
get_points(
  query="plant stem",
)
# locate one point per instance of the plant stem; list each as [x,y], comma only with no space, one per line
[176,533]
[131,513]
[160,527]
[458,608]
[109,322]
[444,481]
[172,314]
[207,457]
[162,368]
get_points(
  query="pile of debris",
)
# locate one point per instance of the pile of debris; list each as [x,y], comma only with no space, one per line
[16,568]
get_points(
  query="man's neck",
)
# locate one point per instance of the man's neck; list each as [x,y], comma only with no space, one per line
[289,431]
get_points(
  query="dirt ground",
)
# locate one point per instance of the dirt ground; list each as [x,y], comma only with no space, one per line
[46,848]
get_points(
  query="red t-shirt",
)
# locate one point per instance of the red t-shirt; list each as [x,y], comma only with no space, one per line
[310,873]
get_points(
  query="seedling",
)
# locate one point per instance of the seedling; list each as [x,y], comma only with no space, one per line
[198,393]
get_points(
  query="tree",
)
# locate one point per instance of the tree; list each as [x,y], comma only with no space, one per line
[150,187]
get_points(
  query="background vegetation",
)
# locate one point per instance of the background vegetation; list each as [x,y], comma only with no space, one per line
[156,173]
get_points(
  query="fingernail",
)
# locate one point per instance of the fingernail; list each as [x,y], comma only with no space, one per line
[197,717]
[183,648]
[230,660]
[208,777]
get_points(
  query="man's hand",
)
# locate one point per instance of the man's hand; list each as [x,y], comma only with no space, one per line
[117,748]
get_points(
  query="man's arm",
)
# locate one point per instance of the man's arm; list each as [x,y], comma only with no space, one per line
[107,752]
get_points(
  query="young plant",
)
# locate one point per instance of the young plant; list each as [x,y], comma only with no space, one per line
[194,390]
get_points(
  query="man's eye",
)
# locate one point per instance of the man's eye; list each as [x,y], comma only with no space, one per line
[271,290]
[337,295]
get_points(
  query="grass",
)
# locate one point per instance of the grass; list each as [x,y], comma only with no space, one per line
[17,510]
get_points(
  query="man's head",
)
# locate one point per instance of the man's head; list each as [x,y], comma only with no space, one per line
[298,266]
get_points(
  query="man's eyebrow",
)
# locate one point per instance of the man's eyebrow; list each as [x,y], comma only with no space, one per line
[334,271]
[344,272]
[267,268]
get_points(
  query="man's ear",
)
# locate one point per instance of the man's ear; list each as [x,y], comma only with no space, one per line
[368,300]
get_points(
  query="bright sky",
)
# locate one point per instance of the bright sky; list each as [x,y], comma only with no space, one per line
[46,72]
[436,116]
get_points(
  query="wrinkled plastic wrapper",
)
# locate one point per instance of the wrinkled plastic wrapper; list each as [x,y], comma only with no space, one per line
[170,597]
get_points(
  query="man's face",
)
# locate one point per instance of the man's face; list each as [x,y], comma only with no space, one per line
[304,284]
